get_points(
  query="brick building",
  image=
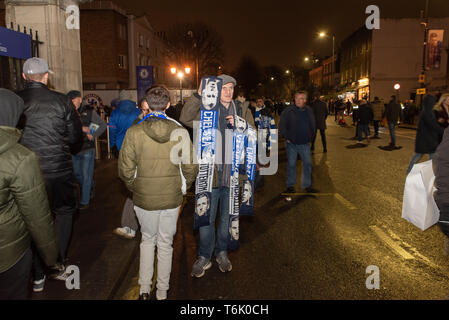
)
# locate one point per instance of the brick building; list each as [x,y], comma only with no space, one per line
[104,46]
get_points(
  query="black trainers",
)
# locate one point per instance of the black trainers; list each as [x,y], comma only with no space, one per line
[290,190]
[311,190]
[144,296]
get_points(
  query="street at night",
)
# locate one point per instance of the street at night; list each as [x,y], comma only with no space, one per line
[238,159]
[314,247]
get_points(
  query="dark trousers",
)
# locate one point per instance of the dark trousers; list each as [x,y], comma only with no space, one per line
[376,127]
[323,138]
[61,193]
[14,281]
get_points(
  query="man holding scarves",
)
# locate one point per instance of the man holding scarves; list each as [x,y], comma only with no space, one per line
[227,110]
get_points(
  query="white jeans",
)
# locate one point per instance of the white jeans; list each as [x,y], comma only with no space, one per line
[158,229]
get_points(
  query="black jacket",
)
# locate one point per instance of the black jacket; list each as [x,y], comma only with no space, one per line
[320,111]
[429,131]
[50,125]
[392,111]
[441,169]
[288,125]
[364,114]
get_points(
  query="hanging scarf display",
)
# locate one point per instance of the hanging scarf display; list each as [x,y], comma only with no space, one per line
[247,204]
[207,142]
[243,156]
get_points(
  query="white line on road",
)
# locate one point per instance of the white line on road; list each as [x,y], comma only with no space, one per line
[391,243]
[345,202]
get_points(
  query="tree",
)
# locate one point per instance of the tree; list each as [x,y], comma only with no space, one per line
[191,44]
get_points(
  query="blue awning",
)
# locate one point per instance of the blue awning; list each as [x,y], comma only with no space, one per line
[14,44]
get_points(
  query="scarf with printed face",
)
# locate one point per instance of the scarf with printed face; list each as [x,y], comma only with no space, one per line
[207,143]
[243,160]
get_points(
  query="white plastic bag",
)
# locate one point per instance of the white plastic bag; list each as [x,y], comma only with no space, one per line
[418,206]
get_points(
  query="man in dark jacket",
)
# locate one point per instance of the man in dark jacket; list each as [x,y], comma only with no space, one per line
[51,124]
[440,167]
[84,157]
[378,109]
[364,117]
[297,126]
[320,112]
[428,133]
[24,210]
[392,112]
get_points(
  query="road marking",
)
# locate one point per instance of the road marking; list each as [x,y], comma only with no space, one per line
[391,243]
[345,202]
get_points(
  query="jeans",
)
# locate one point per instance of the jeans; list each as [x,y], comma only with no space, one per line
[362,128]
[14,281]
[415,159]
[376,127]
[158,229]
[207,233]
[62,199]
[323,138]
[391,127]
[306,175]
[83,168]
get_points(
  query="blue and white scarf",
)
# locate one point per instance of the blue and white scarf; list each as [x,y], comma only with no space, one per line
[243,160]
[206,151]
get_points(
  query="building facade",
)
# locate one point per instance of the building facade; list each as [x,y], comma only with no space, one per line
[104,46]
[374,61]
[114,43]
[316,76]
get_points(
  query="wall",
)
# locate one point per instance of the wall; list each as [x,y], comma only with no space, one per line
[397,57]
[61,46]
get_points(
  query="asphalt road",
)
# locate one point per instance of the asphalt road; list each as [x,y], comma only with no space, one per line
[319,247]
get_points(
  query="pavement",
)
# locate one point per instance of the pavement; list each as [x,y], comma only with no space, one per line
[322,246]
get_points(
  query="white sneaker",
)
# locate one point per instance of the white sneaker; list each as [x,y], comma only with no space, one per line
[38,286]
[161,294]
[125,232]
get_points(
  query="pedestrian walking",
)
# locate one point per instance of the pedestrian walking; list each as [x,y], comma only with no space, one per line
[392,112]
[227,109]
[441,168]
[428,133]
[51,125]
[155,181]
[378,109]
[320,112]
[297,126]
[24,211]
[364,117]
[83,154]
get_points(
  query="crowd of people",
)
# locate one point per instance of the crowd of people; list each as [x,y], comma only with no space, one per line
[40,165]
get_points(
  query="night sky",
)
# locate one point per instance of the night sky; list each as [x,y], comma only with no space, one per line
[277,32]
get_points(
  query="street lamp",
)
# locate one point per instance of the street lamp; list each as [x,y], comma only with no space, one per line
[323,35]
[397,86]
[180,75]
